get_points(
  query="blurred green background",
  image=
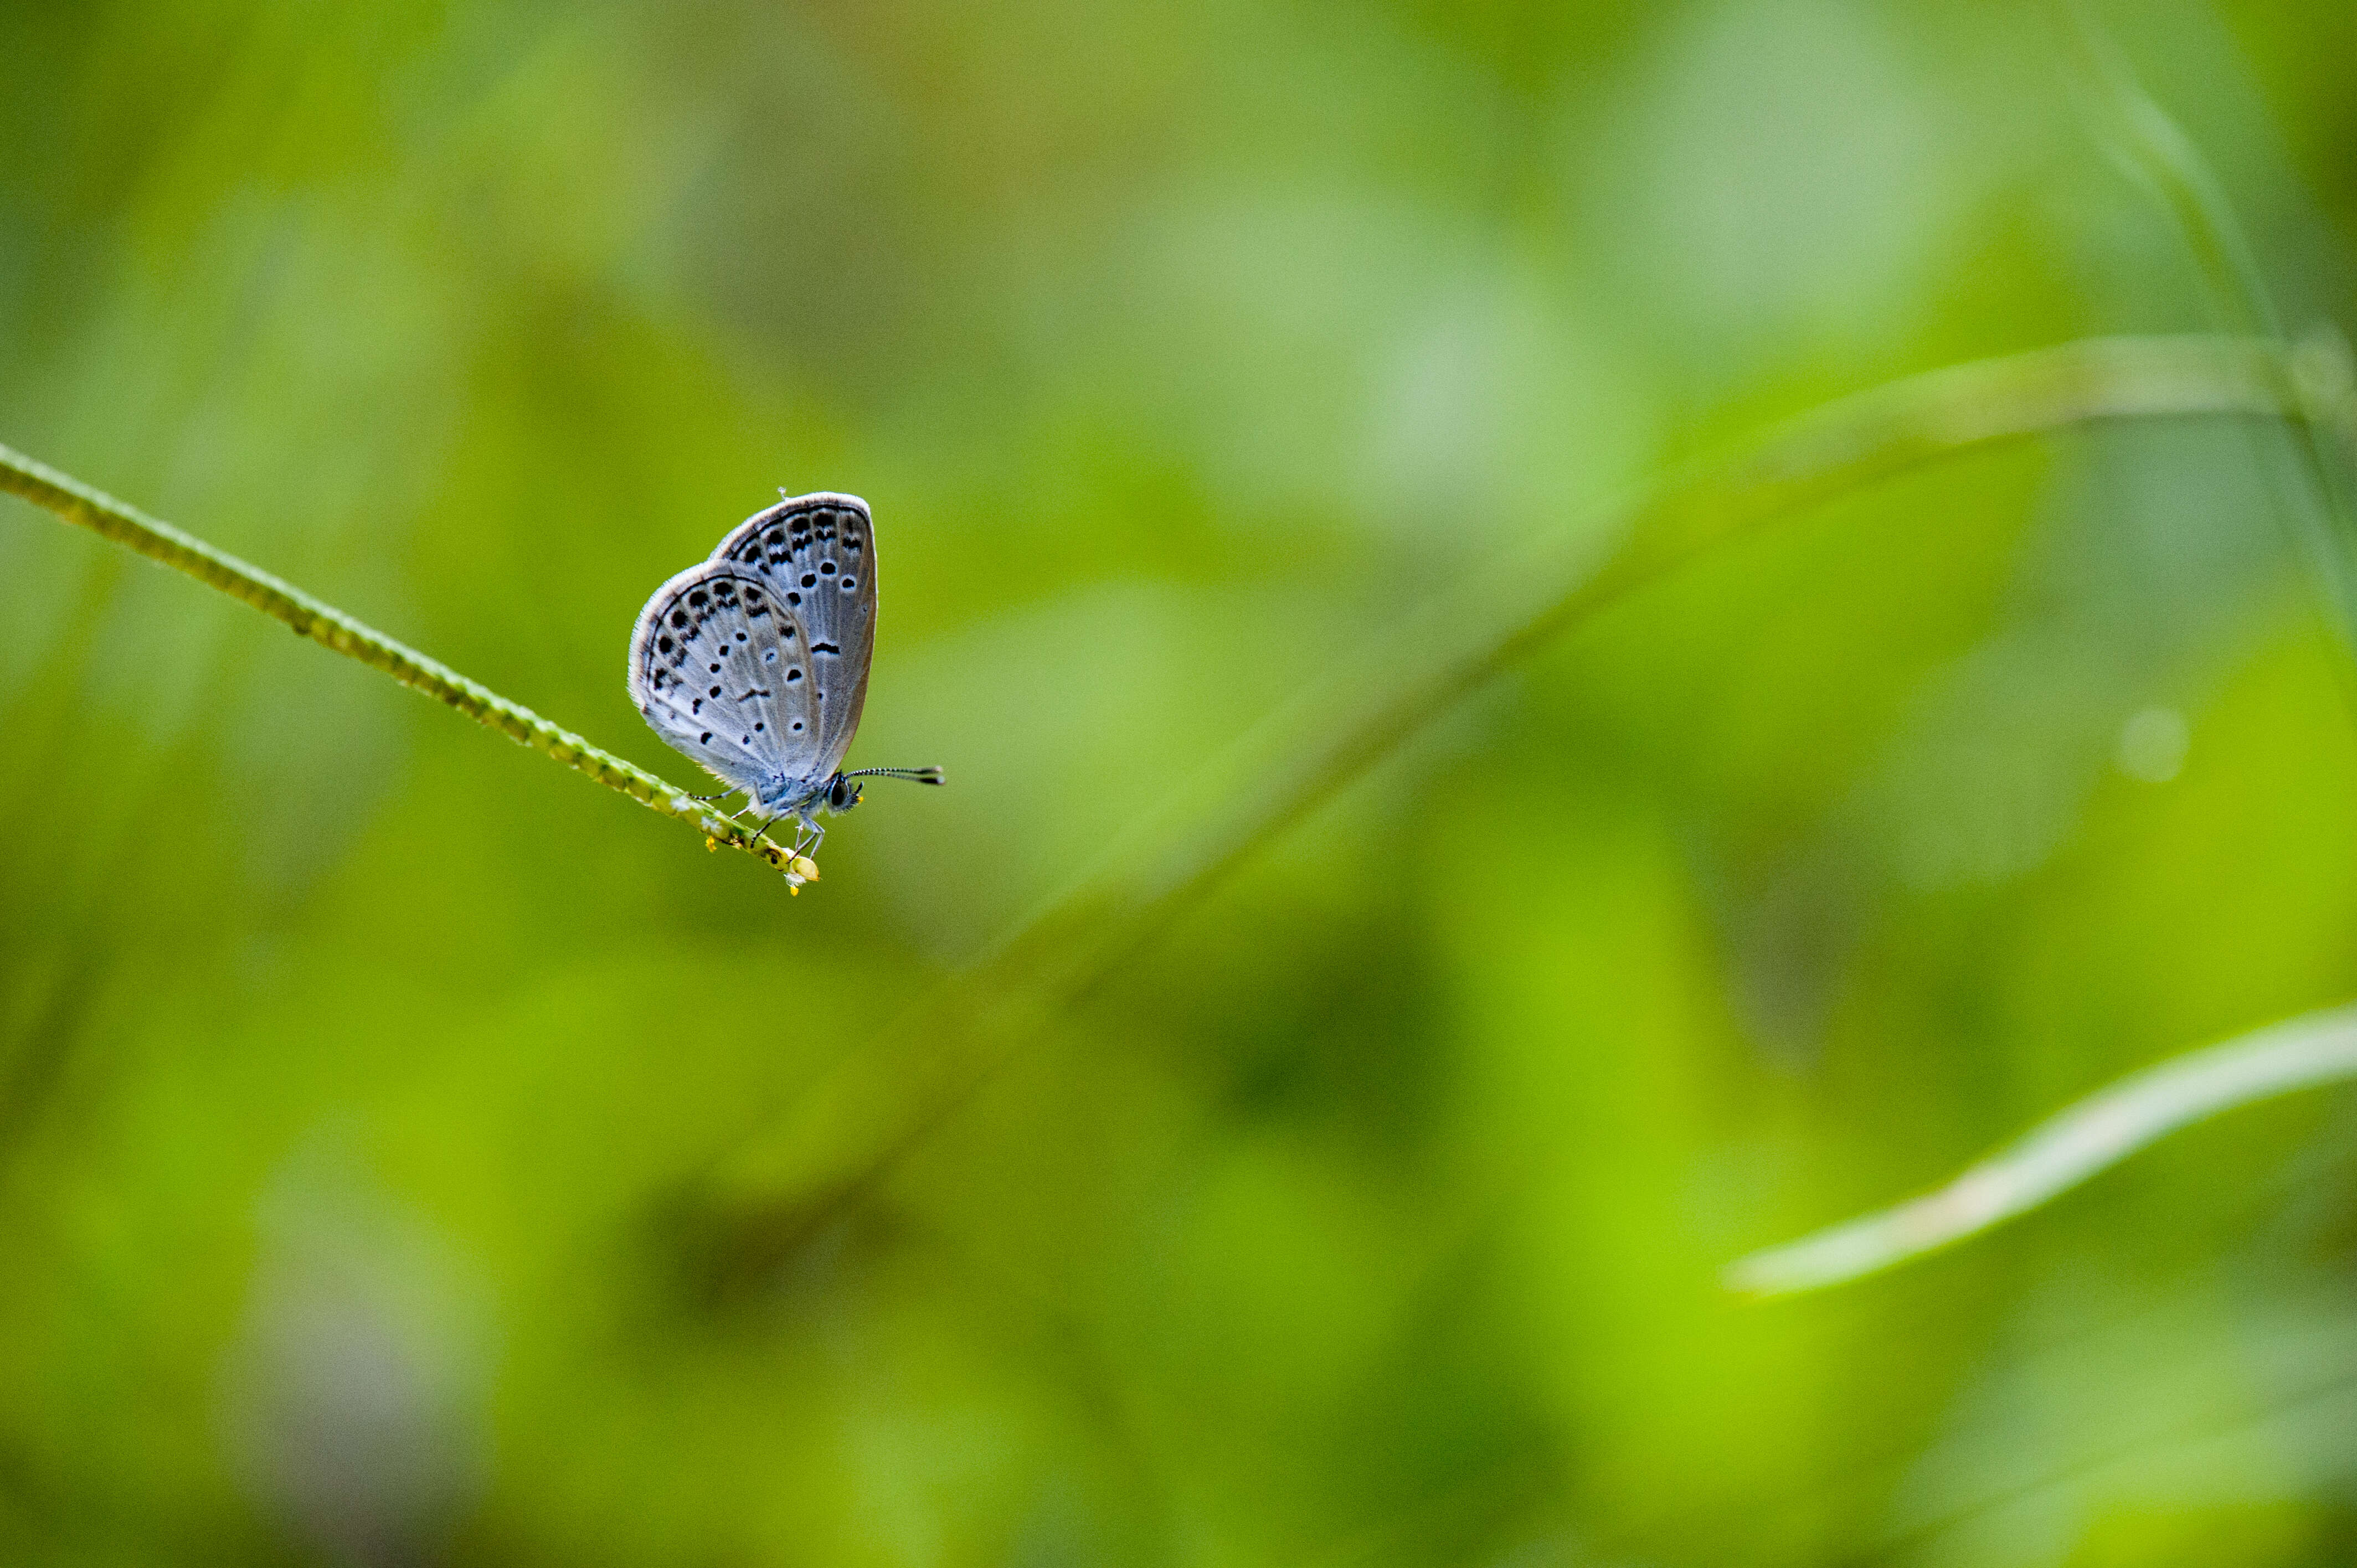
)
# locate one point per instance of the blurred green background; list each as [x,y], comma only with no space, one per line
[350,1056]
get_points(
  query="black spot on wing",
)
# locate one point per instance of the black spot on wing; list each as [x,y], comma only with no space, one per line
[705,622]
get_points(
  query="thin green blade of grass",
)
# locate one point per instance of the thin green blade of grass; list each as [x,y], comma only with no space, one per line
[804,1161]
[2064,1151]
[2307,461]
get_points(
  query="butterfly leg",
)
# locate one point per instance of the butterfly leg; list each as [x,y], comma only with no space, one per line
[750,809]
[810,835]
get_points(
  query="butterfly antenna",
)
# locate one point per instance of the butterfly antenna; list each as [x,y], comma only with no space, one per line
[914,775]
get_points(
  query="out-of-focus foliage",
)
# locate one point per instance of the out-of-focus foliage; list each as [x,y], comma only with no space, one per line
[351,1058]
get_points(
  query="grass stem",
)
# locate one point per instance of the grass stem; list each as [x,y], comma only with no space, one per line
[86,507]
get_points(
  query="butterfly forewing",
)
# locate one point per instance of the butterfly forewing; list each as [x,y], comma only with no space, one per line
[723,673]
[817,553]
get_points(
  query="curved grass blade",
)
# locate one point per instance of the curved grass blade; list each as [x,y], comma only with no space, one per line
[805,1160]
[2091,1136]
[2308,462]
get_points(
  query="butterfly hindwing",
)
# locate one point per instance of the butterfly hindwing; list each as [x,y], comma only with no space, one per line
[723,673]
[817,553]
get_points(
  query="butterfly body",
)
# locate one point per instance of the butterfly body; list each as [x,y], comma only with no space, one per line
[754,663]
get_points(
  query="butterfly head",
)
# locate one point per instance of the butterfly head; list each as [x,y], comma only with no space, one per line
[842,794]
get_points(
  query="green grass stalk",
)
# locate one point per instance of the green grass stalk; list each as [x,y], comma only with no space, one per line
[86,507]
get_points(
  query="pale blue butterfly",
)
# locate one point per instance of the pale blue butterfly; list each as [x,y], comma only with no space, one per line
[754,663]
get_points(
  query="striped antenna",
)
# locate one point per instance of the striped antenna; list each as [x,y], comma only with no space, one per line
[914,775]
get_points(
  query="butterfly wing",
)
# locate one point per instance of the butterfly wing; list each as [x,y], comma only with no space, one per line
[723,674]
[817,553]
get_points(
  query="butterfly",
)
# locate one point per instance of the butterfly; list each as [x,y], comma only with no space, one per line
[754,663]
